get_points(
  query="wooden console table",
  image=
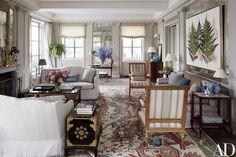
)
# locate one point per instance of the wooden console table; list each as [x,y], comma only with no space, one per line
[109,67]
[198,119]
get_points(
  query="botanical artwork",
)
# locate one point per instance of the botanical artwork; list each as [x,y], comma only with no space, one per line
[203,40]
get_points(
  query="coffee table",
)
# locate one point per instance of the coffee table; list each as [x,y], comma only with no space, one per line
[74,94]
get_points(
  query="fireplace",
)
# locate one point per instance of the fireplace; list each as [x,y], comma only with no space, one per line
[8,81]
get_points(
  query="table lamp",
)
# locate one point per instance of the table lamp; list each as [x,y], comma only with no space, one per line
[151,51]
[171,58]
[42,62]
[220,74]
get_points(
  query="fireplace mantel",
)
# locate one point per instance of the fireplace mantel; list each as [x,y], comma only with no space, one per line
[8,81]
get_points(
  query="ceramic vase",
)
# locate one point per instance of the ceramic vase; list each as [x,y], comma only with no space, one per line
[215,88]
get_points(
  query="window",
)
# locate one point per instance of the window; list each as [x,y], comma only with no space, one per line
[132,49]
[36,46]
[133,42]
[73,37]
[74,47]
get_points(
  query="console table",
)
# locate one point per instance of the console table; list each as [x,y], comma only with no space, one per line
[97,66]
[198,119]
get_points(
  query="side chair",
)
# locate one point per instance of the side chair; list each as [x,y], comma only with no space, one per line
[137,76]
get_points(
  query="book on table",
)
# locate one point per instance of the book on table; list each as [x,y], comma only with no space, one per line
[85,108]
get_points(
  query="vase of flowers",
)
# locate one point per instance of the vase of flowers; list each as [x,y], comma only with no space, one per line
[57,77]
[103,53]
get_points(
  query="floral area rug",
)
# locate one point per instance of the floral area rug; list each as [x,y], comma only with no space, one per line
[122,134]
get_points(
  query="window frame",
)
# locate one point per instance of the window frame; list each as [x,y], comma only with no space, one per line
[132,49]
[40,43]
[74,46]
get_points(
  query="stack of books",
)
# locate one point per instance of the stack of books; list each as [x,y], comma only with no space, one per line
[85,108]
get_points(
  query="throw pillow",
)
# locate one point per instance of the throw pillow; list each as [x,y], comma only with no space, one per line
[73,78]
[178,80]
[88,75]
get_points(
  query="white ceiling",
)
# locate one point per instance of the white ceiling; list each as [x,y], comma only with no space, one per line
[102,10]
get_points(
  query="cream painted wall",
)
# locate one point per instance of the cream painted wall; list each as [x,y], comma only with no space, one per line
[229,40]
[232,58]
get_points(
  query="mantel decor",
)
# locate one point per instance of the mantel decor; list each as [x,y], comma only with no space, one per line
[204,39]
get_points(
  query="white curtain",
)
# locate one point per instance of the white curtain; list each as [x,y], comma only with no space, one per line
[133,31]
[47,41]
[72,31]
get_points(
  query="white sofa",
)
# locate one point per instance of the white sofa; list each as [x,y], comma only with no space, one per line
[32,128]
[89,90]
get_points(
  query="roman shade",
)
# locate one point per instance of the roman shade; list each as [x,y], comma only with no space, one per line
[133,31]
[72,31]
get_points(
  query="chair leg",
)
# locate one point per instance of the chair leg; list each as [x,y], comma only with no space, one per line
[129,91]
[146,139]
[182,140]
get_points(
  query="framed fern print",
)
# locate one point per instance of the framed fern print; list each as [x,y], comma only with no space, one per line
[204,39]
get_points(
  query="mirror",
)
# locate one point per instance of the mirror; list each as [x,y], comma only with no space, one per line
[102,37]
[6,25]
[3,31]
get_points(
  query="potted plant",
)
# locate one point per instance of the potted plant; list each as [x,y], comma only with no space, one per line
[167,69]
[56,50]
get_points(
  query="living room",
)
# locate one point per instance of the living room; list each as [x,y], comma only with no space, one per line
[116,55]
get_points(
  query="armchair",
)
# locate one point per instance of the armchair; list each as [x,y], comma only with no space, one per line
[137,76]
[165,110]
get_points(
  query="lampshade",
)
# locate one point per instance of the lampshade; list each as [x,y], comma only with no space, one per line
[171,57]
[152,50]
[220,73]
[42,62]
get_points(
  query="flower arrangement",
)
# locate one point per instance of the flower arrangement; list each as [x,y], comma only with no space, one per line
[103,53]
[57,77]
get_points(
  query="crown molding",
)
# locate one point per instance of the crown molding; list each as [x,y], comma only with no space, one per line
[179,5]
[31,5]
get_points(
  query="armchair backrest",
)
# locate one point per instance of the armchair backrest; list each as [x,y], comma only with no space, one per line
[137,71]
[166,106]
[137,68]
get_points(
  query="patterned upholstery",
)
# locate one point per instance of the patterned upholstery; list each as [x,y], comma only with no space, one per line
[165,109]
[137,76]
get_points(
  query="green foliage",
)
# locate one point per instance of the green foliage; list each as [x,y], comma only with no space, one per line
[208,40]
[167,69]
[201,41]
[57,49]
[193,42]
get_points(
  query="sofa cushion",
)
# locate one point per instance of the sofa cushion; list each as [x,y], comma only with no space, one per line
[88,75]
[177,79]
[73,78]
[84,85]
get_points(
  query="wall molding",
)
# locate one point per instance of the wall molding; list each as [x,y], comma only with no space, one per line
[175,7]
[31,5]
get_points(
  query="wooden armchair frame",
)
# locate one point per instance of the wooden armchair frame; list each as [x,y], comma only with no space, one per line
[159,121]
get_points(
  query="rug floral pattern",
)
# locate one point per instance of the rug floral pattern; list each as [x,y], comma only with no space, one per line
[122,134]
